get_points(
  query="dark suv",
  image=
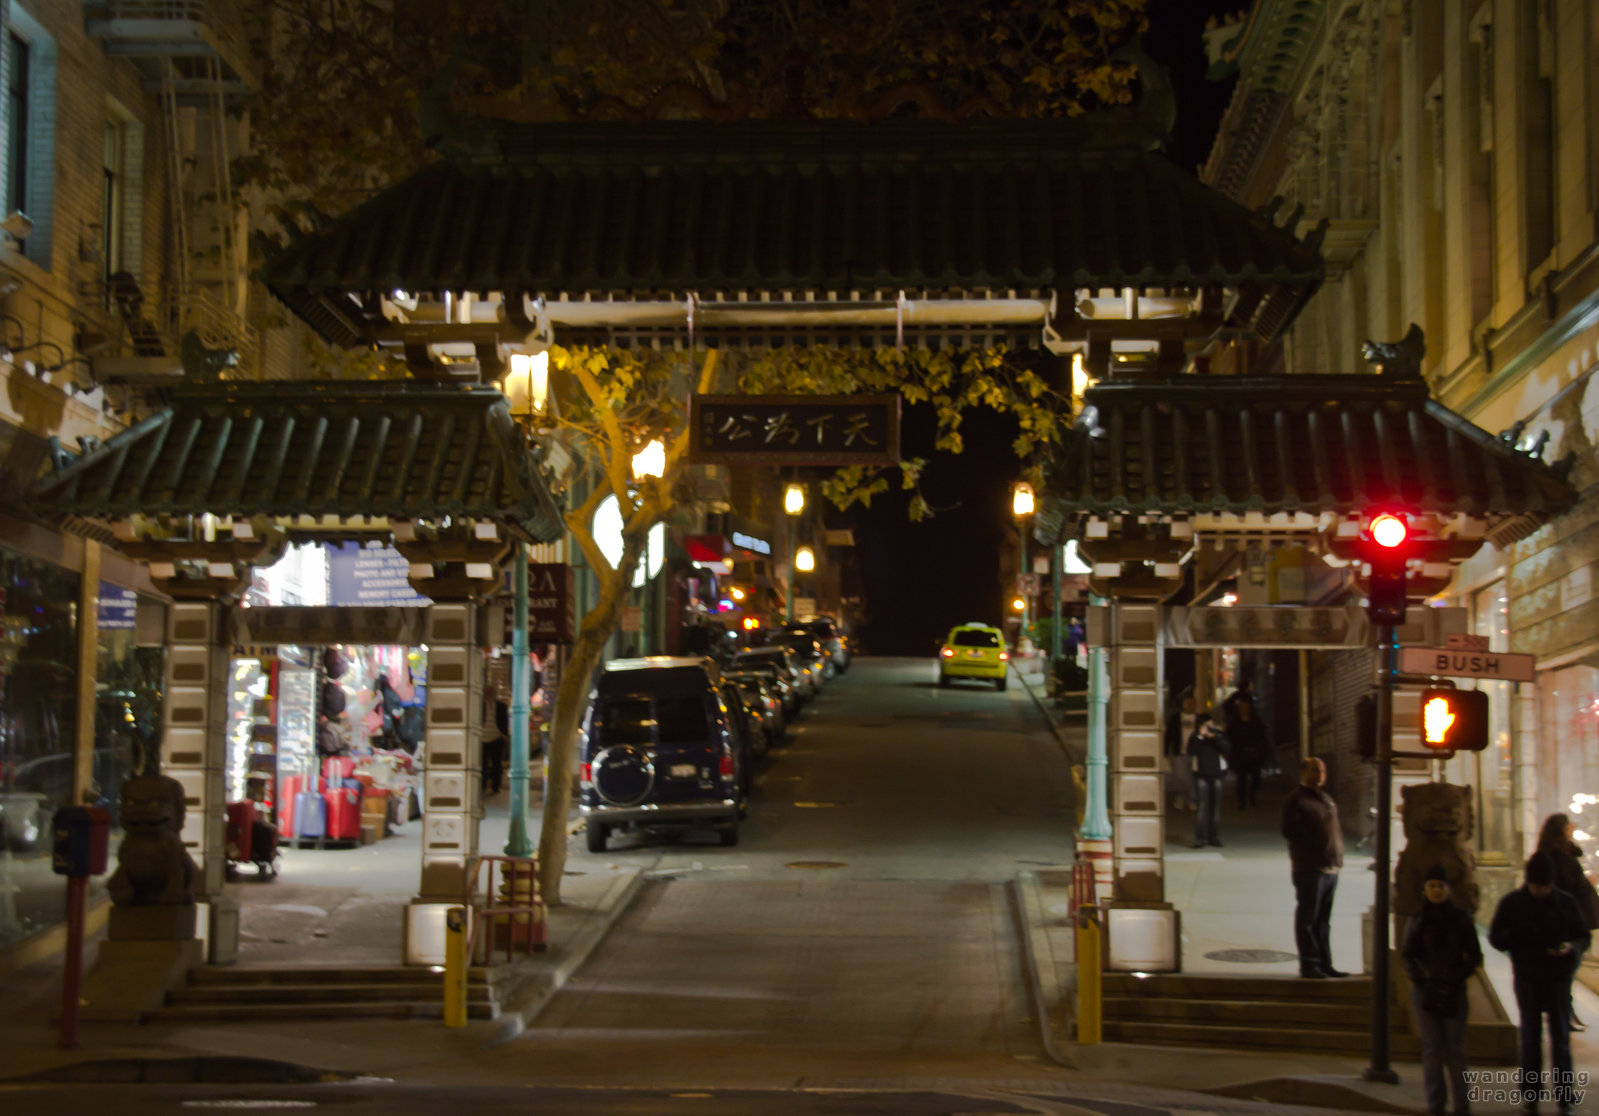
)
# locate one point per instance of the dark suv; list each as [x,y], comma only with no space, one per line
[661,751]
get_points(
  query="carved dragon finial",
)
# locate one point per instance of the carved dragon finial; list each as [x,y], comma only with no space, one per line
[1398,359]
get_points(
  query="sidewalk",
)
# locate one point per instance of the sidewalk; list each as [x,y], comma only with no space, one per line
[1238,898]
[334,907]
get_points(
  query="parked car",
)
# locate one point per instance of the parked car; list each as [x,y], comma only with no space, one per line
[974,651]
[762,689]
[826,632]
[811,656]
[778,678]
[662,750]
[747,728]
[782,660]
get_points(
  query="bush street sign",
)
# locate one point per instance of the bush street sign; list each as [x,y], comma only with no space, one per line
[1443,662]
[793,429]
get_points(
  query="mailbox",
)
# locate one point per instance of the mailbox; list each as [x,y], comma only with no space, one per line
[82,837]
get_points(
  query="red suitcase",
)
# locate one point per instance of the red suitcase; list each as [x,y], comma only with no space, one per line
[241,829]
[344,814]
[335,768]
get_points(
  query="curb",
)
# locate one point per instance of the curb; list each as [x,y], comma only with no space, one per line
[530,998]
[202,1070]
[1024,890]
[1049,717]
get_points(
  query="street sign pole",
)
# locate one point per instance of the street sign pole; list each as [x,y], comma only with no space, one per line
[1387,652]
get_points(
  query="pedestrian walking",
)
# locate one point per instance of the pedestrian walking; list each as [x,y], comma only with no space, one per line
[1555,838]
[496,749]
[1207,753]
[1315,854]
[1541,928]
[1440,953]
[1247,733]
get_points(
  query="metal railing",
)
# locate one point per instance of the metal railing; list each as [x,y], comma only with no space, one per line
[498,918]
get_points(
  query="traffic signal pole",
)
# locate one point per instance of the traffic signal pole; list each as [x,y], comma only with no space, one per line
[1388,657]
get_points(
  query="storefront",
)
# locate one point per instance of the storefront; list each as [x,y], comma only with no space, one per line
[80,701]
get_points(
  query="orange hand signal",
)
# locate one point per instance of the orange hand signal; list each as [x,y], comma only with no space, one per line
[1437,719]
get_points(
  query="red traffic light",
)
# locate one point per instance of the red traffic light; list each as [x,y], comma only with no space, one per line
[1454,720]
[1389,530]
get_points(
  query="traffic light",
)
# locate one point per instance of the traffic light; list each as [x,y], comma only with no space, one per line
[1386,549]
[1454,720]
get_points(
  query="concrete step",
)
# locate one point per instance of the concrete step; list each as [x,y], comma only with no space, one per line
[326,974]
[300,1012]
[284,993]
[1355,1015]
[1307,1039]
[1208,987]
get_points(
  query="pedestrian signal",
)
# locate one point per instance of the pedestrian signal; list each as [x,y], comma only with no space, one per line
[1454,720]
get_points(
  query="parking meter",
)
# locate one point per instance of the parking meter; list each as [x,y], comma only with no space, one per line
[81,838]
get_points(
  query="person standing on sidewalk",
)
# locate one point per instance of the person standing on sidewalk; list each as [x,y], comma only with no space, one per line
[1250,749]
[1555,838]
[1541,928]
[1315,854]
[1440,953]
[1207,752]
[1179,728]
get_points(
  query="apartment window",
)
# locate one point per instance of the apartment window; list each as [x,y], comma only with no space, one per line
[18,62]
[1490,618]
[1480,169]
[115,201]
[1538,133]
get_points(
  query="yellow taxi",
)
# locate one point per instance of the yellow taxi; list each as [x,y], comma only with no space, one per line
[973,651]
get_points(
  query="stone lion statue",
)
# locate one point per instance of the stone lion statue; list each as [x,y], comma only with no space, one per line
[153,867]
[1438,828]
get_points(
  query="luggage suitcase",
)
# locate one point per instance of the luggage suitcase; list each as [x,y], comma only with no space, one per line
[310,816]
[241,825]
[264,848]
[288,792]
[338,767]
[343,814]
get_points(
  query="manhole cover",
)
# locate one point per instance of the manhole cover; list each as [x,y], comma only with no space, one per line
[815,864]
[1251,956]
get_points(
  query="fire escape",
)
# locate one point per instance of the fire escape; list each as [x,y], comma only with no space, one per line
[194,55]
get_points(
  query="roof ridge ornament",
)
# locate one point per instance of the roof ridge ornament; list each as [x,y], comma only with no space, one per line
[1400,359]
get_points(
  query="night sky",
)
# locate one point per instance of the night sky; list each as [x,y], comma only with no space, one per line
[919,579]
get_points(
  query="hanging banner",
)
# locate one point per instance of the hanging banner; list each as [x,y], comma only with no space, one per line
[551,605]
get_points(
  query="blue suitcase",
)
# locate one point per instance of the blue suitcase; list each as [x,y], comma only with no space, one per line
[310,816]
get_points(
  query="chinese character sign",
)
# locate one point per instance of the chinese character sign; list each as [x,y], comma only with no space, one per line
[794,429]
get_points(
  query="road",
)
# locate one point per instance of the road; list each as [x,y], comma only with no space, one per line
[861,932]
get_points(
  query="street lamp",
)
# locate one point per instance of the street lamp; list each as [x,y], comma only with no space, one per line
[650,461]
[793,504]
[1021,506]
[527,391]
[805,559]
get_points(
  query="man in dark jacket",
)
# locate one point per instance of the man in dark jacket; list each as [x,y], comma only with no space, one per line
[1541,928]
[1207,751]
[1315,854]
[1440,953]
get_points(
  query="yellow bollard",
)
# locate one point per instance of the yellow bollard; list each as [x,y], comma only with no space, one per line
[455,967]
[1090,995]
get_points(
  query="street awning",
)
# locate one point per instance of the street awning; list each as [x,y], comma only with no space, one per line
[1290,445]
[351,450]
[597,217]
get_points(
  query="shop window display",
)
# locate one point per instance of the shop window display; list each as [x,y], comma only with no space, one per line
[128,681]
[327,741]
[38,731]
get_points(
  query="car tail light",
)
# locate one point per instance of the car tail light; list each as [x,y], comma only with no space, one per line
[1003,655]
[947,652]
[727,766]
[587,774]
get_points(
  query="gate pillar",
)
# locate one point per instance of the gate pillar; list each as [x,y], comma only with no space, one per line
[451,779]
[1142,928]
[194,752]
